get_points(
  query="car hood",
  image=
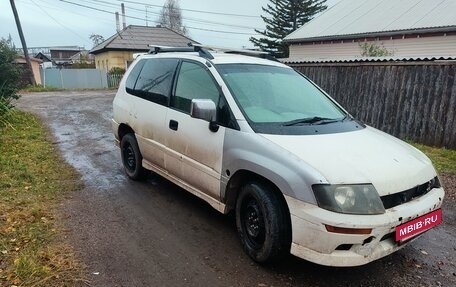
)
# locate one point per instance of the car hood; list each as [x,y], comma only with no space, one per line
[363,156]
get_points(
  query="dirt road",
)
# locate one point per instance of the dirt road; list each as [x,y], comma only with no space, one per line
[155,234]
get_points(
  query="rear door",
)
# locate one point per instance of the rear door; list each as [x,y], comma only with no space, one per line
[152,91]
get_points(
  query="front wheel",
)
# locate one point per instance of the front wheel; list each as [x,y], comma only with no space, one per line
[131,157]
[262,222]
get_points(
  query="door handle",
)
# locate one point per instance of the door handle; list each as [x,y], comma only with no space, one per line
[173,125]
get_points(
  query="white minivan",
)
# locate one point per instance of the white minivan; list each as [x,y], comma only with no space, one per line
[253,136]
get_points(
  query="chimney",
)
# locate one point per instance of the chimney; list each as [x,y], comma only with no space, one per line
[123,16]
[117,22]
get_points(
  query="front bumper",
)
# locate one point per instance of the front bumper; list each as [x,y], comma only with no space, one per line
[312,242]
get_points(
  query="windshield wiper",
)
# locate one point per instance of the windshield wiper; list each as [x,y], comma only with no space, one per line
[310,120]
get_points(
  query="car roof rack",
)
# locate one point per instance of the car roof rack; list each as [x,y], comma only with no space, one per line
[154,49]
[245,52]
[203,51]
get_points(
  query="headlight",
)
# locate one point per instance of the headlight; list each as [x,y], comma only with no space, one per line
[352,199]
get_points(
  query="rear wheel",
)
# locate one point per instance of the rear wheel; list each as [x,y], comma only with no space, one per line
[262,222]
[131,157]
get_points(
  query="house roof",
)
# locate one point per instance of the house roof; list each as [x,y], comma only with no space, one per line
[41,55]
[423,58]
[21,59]
[364,18]
[138,38]
[66,48]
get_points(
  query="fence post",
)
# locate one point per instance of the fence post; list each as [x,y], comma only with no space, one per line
[61,79]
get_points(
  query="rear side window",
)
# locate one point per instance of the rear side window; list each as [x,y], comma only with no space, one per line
[133,76]
[154,80]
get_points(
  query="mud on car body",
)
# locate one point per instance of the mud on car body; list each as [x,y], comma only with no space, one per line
[253,136]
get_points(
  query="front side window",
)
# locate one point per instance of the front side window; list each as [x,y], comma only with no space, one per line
[193,82]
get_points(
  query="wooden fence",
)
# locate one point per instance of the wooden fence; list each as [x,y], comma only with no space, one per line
[114,80]
[411,100]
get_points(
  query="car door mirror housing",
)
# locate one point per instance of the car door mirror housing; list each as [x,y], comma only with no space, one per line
[203,109]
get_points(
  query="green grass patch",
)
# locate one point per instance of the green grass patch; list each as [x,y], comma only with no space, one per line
[39,88]
[33,180]
[443,159]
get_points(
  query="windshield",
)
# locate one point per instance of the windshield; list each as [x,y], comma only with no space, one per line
[278,95]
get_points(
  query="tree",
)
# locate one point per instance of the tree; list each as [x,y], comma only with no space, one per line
[171,17]
[96,39]
[285,16]
[374,49]
[10,74]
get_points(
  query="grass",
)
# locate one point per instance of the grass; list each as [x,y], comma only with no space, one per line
[39,88]
[443,159]
[33,180]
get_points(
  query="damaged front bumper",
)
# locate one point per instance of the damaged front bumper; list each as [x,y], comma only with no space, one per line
[313,242]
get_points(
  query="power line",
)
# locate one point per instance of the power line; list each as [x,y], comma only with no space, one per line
[192,10]
[58,8]
[50,16]
[188,19]
[143,19]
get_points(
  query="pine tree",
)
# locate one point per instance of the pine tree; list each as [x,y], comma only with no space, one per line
[285,16]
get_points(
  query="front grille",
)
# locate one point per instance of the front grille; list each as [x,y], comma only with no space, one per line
[399,198]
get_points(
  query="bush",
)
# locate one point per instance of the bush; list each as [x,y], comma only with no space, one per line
[82,66]
[10,74]
[116,71]
[374,49]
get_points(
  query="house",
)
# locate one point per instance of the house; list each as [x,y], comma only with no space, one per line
[43,57]
[82,57]
[117,50]
[35,69]
[61,56]
[406,28]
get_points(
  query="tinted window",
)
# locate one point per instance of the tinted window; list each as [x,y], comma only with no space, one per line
[133,76]
[154,81]
[194,82]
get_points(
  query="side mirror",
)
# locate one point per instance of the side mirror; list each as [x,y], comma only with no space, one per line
[205,110]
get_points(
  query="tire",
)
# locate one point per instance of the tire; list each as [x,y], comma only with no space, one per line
[131,157]
[262,223]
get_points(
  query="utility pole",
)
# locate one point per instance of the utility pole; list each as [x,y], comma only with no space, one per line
[147,22]
[24,45]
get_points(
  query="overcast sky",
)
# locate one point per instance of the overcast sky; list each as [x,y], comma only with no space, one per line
[62,23]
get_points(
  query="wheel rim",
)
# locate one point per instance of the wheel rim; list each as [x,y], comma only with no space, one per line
[253,222]
[129,157]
